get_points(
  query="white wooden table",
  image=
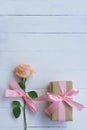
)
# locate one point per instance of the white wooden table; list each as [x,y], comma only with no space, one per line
[52,36]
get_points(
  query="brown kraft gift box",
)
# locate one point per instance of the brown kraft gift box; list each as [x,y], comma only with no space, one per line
[54,88]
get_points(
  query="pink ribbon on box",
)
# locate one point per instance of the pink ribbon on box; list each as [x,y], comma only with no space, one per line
[57,101]
[18,92]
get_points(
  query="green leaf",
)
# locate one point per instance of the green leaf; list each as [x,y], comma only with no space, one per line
[16,108]
[22,86]
[16,104]
[33,94]
[22,83]
[16,112]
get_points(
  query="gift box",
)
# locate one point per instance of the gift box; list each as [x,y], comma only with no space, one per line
[54,88]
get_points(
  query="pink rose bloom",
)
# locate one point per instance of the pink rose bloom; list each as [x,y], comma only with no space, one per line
[24,71]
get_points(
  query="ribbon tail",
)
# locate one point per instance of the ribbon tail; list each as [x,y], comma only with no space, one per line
[47,97]
[61,112]
[15,86]
[31,105]
[57,106]
[11,93]
[74,104]
[54,106]
[72,92]
[41,98]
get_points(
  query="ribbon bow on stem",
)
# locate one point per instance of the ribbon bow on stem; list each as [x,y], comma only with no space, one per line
[18,92]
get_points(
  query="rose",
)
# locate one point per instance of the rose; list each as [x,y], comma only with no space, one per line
[24,71]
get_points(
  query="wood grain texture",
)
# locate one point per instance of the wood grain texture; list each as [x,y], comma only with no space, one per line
[46,7]
[61,43]
[52,36]
[49,25]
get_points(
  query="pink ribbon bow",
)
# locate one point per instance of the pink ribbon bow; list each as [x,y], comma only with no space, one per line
[18,92]
[57,101]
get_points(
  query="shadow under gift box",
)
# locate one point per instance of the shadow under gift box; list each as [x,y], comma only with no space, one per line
[54,88]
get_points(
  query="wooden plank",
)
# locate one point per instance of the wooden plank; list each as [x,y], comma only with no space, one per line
[72,61]
[43,24]
[73,43]
[40,7]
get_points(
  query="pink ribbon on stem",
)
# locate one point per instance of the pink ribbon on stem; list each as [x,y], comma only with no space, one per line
[16,91]
[57,101]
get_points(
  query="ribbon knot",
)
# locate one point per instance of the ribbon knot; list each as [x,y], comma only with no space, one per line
[16,91]
[63,98]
